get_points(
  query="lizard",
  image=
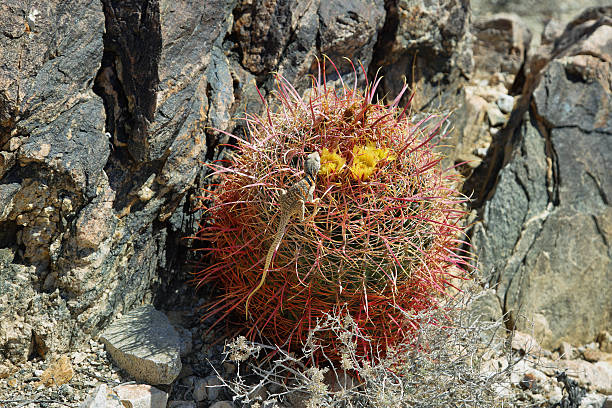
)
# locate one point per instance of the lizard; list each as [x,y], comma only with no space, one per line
[291,202]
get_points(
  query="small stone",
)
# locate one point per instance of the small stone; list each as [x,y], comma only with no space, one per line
[525,343]
[222,404]
[605,341]
[58,373]
[229,367]
[96,398]
[199,389]
[182,404]
[78,357]
[568,352]
[188,381]
[595,355]
[528,382]
[505,103]
[214,386]
[141,396]
[496,118]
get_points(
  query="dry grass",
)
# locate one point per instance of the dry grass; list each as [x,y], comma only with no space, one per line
[443,366]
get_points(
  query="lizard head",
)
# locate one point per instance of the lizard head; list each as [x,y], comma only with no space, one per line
[313,164]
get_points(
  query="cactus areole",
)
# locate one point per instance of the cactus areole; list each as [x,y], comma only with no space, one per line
[387,234]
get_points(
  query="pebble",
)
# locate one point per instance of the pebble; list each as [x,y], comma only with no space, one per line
[505,103]
[200,390]
[214,386]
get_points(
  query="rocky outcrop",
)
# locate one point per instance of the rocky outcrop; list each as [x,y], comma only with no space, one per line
[427,45]
[288,35]
[102,113]
[545,233]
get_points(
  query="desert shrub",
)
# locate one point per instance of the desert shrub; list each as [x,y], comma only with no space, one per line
[383,244]
[437,366]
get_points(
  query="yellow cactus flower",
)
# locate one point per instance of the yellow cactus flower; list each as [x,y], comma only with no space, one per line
[365,159]
[331,162]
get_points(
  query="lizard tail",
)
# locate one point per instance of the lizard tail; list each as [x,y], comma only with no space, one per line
[280,232]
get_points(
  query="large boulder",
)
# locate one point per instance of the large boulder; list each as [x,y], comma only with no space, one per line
[545,235]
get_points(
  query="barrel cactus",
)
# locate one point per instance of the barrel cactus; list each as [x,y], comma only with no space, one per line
[386,234]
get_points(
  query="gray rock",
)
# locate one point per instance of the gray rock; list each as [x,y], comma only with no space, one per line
[222,404]
[214,386]
[496,118]
[199,389]
[87,219]
[429,44]
[182,404]
[145,345]
[545,234]
[287,35]
[505,103]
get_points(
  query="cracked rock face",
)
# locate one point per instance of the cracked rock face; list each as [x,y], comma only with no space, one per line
[545,240]
[103,107]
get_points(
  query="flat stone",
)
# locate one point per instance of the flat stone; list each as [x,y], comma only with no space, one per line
[145,345]
[141,396]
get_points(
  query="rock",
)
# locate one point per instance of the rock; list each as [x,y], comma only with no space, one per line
[58,373]
[593,400]
[500,44]
[284,35]
[596,355]
[605,341]
[607,403]
[97,398]
[182,404]
[141,396]
[546,227]
[199,389]
[222,404]
[496,118]
[91,217]
[525,343]
[505,103]
[472,129]
[145,345]
[426,44]
[214,386]
[568,352]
